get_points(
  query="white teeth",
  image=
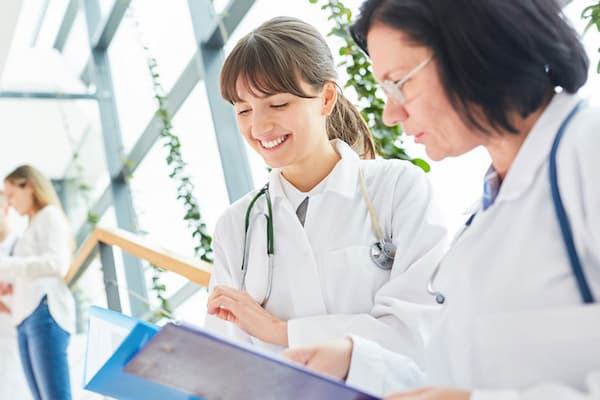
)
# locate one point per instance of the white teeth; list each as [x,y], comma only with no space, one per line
[272,143]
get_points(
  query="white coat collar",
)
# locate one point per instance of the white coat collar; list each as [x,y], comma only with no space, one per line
[342,179]
[535,150]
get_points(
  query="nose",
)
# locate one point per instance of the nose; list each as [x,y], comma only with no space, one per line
[394,113]
[261,124]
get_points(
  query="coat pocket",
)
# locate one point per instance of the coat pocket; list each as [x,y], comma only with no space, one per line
[350,279]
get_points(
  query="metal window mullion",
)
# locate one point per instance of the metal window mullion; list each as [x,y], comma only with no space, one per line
[66,25]
[234,160]
[109,274]
[111,133]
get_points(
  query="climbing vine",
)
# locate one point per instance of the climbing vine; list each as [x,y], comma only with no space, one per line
[185,188]
[387,138]
[174,159]
[592,12]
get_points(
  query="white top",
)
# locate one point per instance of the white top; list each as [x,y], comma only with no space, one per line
[8,244]
[295,196]
[38,267]
[324,282]
[514,326]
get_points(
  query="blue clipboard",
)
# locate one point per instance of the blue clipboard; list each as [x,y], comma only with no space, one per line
[194,361]
[105,374]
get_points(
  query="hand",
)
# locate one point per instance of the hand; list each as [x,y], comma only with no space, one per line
[431,393]
[240,308]
[4,308]
[6,288]
[329,358]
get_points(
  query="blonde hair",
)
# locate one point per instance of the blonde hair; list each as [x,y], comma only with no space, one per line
[276,56]
[43,191]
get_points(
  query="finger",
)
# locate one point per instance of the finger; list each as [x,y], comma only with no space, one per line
[231,292]
[226,316]
[414,394]
[301,355]
[235,299]
[225,304]
[216,302]
[420,390]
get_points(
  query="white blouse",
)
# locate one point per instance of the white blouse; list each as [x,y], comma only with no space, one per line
[38,266]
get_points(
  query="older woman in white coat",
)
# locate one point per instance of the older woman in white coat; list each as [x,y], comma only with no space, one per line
[333,215]
[518,284]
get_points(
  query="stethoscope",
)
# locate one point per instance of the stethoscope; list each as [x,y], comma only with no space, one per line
[565,228]
[439,297]
[382,252]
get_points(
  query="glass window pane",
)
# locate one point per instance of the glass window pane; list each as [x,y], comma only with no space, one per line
[158,25]
[77,46]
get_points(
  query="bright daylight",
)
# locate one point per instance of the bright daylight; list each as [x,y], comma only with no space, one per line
[300,199]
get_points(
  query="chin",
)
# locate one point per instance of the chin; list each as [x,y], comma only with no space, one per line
[275,163]
[435,155]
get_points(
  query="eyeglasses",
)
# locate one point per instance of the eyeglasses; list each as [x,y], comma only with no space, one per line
[394,89]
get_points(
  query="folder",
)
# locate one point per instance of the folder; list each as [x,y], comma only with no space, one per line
[113,339]
[192,362]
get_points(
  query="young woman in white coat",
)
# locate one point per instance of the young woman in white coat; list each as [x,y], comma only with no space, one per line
[323,282]
[519,319]
[42,307]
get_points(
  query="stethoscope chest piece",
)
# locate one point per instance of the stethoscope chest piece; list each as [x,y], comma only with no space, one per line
[382,254]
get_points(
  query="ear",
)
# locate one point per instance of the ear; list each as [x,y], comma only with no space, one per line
[330,96]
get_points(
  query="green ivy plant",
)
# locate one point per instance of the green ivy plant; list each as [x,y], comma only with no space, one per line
[185,188]
[592,12]
[177,165]
[159,289]
[358,67]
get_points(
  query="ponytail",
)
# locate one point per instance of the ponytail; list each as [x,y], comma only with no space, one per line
[346,123]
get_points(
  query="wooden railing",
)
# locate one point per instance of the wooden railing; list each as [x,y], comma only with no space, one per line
[196,271]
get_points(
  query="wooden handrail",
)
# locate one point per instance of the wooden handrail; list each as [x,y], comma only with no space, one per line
[195,270]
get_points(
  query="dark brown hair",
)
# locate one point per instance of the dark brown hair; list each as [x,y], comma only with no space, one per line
[500,56]
[280,53]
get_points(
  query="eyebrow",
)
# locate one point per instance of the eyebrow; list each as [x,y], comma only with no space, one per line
[263,97]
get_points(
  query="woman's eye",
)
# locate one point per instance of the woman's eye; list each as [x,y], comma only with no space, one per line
[281,105]
[242,112]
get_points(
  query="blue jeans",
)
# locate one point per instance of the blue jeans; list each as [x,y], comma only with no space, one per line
[43,349]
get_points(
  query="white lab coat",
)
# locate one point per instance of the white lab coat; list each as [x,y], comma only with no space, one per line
[514,326]
[324,282]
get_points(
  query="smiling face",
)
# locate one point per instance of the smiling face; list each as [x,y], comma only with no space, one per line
[286,130]
[426,113]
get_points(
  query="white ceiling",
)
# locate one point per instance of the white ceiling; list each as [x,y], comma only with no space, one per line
[43,133]
[9,12]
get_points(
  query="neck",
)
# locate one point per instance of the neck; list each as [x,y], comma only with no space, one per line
[504,147]
[307,174]
[3,233]
[33,212]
